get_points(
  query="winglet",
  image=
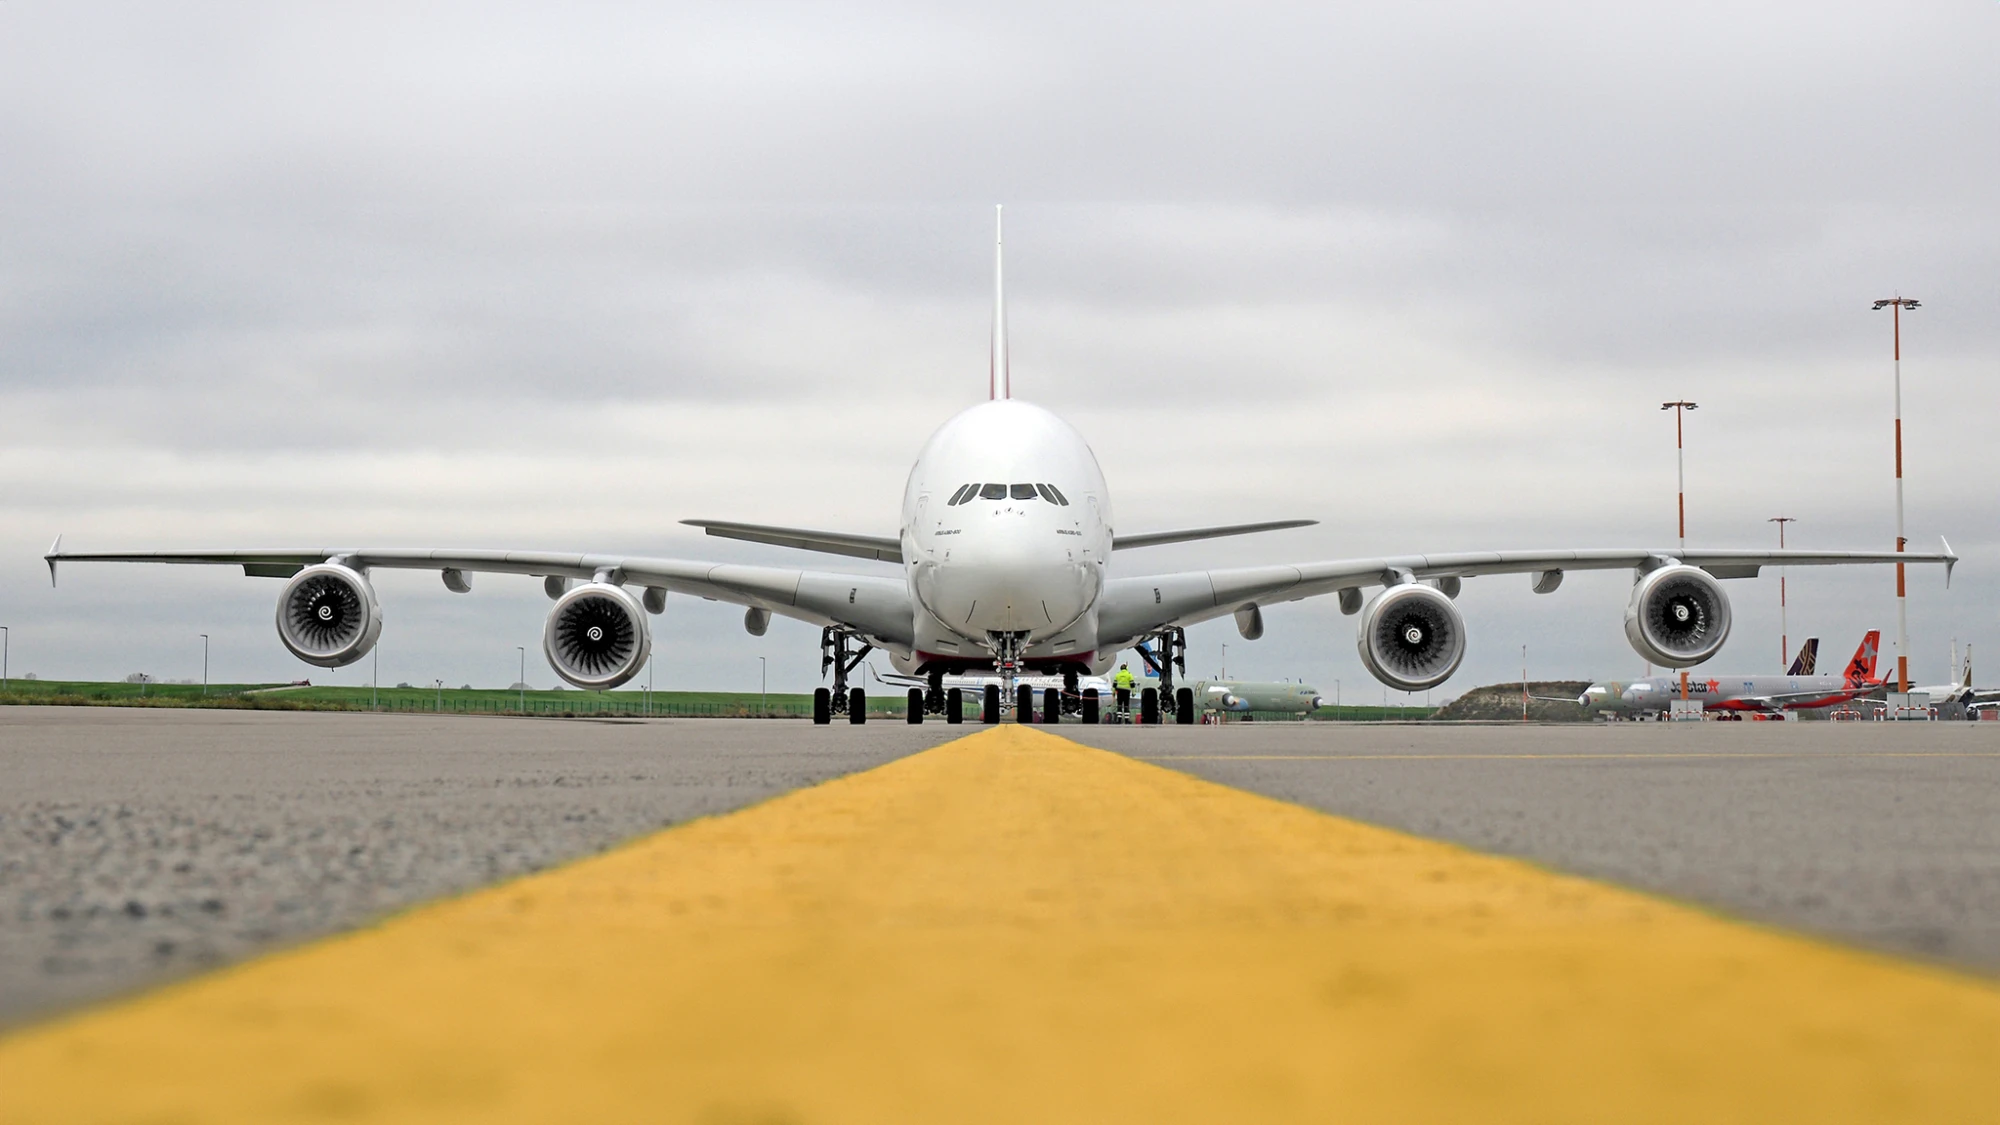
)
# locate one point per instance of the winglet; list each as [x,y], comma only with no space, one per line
[999,385]
[55,552]
[1950,560]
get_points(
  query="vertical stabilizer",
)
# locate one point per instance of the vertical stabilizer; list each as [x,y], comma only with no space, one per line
[1807,660]
[998,384]
[1861,669]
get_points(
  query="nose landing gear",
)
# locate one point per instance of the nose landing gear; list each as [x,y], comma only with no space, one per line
[1172,657]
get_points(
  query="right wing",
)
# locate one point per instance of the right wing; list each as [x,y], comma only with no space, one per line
[877,607]
[825,542]
[1131,608]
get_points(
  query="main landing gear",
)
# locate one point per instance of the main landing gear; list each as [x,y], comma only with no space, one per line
[1172,657]
[834,645]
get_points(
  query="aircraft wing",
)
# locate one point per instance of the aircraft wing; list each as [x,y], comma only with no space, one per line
[1134,607]
[1161,538]
[878,607]
[804,539]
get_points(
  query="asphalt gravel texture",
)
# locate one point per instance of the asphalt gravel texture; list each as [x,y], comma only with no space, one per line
[138,845]
[142,845]
[1882,835]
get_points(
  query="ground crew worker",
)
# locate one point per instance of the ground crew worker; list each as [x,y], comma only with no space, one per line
[1122,684]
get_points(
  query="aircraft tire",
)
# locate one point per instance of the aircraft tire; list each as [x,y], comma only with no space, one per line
[916,706]
[1184,707]
[857,707]
[822,707]
[954,706]
[990,714]
[1090,715]
[1051,707]
[1024,704]
[1149,706]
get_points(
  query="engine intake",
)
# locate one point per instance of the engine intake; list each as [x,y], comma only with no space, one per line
[596,636]
[1412,637]
[1679,616]
[328,615]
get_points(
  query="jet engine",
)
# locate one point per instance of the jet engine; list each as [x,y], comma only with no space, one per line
[1412,637]
[596,637]
[1679,616]
[328,615]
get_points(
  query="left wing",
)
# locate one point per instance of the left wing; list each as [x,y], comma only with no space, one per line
[877,607]
[1131,608]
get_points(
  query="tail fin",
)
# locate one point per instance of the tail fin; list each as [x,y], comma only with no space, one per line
[1968,664]
[999,384]
[1861,669]
[1807,659]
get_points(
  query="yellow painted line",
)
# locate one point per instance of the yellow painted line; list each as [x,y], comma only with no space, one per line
[1419,756]
[1014,928]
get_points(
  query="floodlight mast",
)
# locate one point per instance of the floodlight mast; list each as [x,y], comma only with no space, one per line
[1680,407]
[1896,305]
[1784,628]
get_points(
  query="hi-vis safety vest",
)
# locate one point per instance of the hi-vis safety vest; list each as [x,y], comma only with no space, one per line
[1124,680]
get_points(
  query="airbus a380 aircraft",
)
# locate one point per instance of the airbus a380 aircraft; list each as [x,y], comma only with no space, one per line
[1006,538]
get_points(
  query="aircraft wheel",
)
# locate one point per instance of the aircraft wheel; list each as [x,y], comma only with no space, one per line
[822,707]
[916,706]
[1024,704]
[991,713]
[1184,707]
[1051,707]
[1149,706]
[857,707]
[954,706]
[1090,715]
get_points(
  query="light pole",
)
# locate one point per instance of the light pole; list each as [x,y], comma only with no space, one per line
[523,689]
[1897,304]
[649,685]
[1680,407]
[1336,701]
[375,682]
[204,665]
[1225,662]
[763,687]
[1784,628]
[440,696]
[6,638]
[1524,683]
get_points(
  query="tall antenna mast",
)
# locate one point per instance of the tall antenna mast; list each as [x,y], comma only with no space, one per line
[998,384]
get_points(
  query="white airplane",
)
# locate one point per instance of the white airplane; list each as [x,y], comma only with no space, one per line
[1006,538]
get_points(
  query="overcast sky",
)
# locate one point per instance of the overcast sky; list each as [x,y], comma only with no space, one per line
[560,276]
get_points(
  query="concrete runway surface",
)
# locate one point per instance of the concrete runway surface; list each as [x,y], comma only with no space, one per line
[1881,835]
[141,845]
[138,845]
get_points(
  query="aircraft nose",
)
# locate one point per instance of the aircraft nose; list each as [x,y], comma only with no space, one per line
[1010,592]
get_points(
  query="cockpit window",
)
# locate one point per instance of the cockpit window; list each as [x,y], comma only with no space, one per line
[1024,492]
[993,492]
[1060,498]
[1046,494]
[965,492]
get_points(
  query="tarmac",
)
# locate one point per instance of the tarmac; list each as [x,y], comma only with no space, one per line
[860,924]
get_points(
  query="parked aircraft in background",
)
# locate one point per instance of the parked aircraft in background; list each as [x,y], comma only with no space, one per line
[1243,696]
[1790,692]
[1962,692]
[1004,541]
[1807,661]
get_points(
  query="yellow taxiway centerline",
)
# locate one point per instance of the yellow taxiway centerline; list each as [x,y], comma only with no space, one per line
[1012,928]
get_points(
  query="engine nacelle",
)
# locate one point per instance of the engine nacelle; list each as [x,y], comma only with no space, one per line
[1679,616]
[328,615]
[1412,637]
[596,636]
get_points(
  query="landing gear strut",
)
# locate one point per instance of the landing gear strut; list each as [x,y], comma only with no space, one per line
[834,645]
[1172,657]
